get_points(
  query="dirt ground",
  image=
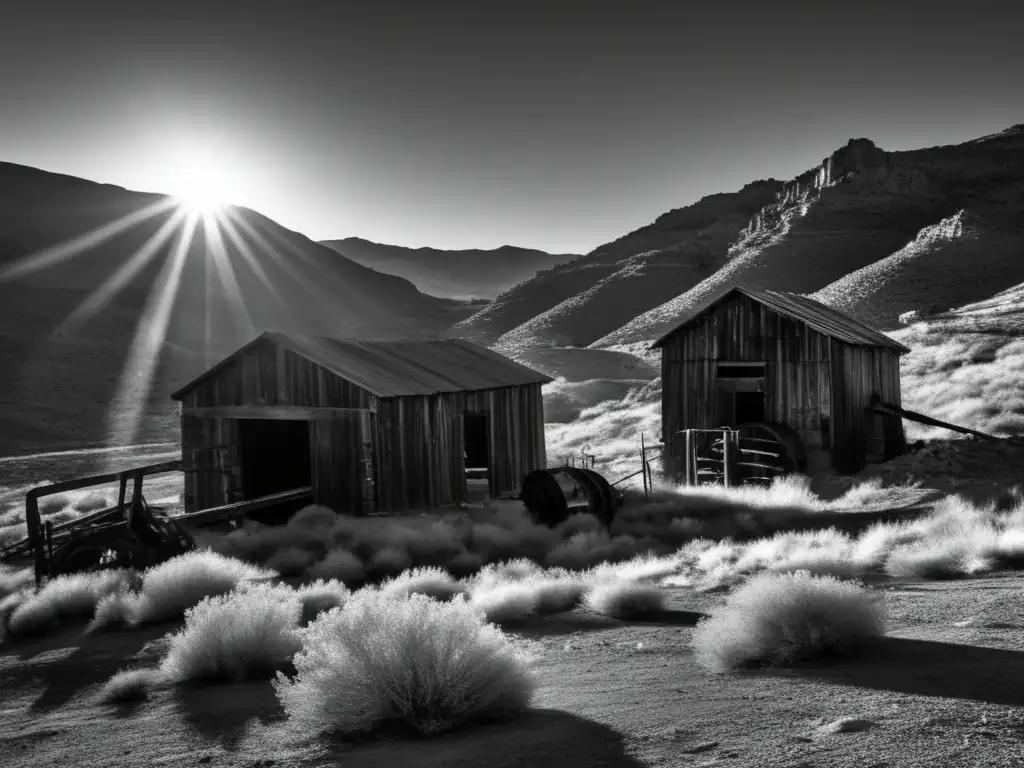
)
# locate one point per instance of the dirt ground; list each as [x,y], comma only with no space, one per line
[945,688]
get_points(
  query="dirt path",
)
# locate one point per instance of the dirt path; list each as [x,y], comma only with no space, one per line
[945,689]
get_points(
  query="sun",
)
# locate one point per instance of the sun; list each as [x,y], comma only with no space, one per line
[199,186]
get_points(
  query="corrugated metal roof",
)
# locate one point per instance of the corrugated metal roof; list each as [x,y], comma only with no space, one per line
[400,368]
[818,316]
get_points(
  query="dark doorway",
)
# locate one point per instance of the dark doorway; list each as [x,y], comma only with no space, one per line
[275,456]
[476,436]
[749,407]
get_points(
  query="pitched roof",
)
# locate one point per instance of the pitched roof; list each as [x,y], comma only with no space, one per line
[822,318]
[399,368]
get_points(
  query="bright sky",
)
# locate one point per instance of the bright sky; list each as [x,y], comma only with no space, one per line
[478,124]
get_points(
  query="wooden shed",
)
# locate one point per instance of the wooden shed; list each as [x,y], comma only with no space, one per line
[368,426]
[759,356]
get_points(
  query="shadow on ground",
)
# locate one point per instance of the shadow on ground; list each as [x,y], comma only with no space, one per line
[543,738]
[581,621]
[222,713]
[925,668]
[69,662]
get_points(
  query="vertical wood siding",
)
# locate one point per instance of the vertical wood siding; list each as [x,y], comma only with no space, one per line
[815,385]
[416,442]
[421,445]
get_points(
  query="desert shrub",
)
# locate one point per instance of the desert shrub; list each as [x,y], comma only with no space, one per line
[116,610]
[581,522]
[430,581]
[315,517]
[504,602]
[428,665]
[321,596]
[929,560]
[625,599]
[645,567]
[340,565]
[783,618]
[90,503]
[464,564]
[291,561]
[50,505]
[15,580]
[556,594]
[389,561]
[67,598]
[171,588]
[250,633]
[130,685]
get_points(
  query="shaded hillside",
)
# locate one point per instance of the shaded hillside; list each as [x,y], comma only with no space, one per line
[67,327]
[968,257]
[577,302]
[859,206]
[452,274]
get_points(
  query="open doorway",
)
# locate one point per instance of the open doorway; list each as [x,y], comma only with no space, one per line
[275,456]
[476,437]
[749,407]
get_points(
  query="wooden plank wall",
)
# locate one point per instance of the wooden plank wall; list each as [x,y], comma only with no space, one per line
[860,372]
[337,466]
[419,445]
[268,375]
[417,442]
[211,473]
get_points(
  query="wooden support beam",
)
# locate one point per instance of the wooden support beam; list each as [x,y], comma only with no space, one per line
[241,508]
[879,406]
[271,412]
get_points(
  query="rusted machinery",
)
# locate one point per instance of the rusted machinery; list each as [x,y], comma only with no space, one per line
[130,534]
[551,495]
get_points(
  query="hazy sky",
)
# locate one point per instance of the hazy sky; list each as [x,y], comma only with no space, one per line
[476,124]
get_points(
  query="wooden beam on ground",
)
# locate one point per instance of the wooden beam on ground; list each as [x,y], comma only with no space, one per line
[272,412]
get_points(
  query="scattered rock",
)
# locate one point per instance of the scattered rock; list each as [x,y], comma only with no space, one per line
[697,748]
[849,725]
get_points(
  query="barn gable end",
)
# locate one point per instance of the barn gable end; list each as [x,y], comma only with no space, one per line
[767,356]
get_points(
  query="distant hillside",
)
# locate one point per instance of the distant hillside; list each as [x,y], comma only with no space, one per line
[856,213]
[451,274]
[576,303]
[59,377]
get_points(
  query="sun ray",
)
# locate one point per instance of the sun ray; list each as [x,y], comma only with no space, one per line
[128,271]
[315,285]
[128,406]
[216,253]
[55,254]
[250,258]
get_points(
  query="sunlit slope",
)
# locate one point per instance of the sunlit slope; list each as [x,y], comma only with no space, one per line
[101,287]
[861,205]
[576,302]
[965,258]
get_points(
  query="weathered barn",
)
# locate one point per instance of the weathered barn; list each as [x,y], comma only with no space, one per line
[369,426]
[756,356]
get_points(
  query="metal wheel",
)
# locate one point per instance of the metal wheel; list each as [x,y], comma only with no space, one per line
[767,451]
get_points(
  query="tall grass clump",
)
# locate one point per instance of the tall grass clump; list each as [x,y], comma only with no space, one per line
[417,662]
[250,633]
[171,588]
[625,599]
[431,581]
[66,599]
[130,685]
[778,619]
